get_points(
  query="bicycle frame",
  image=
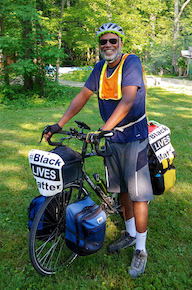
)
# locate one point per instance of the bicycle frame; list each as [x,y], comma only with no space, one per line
[106,199]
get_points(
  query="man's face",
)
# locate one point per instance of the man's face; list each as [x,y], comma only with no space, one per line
[110,51]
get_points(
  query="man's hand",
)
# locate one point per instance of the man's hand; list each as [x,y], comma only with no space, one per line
[92,136]
[50,130]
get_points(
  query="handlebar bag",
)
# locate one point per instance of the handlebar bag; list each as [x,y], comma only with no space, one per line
[71,169]
[85,226]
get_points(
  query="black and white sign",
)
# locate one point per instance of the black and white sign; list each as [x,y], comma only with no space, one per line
[160,142]
[47,171]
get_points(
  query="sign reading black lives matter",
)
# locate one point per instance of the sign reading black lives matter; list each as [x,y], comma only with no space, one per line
[47,170]
[160,142]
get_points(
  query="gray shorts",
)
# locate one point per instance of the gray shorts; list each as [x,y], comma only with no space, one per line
[127,169]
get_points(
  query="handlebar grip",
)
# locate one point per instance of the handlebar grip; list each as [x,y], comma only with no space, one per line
[105,134]
[57,143]
[53,143]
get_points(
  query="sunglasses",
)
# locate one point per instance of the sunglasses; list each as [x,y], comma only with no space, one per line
[111,40]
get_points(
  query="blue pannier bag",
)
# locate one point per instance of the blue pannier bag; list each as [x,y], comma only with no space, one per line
[33,208]
[47,223]
[85,226]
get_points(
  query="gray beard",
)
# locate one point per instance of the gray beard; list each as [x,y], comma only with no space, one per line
[114,57]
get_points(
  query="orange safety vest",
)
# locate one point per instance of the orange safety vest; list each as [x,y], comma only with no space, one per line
[110,88]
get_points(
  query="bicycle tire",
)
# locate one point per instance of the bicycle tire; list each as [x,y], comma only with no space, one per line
[49,252]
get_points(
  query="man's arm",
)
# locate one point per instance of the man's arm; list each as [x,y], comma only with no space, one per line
[123,108]
[76,105]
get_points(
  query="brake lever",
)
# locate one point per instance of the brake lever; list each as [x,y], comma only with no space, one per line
[45,131]
[105,134]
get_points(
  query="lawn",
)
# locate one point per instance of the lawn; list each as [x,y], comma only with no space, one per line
[169,242]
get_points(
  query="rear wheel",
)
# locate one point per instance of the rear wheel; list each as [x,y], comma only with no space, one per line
[47,248]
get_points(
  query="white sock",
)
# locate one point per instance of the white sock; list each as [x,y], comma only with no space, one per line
[130,227]
[141,241]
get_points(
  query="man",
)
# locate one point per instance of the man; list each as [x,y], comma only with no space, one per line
[118,80]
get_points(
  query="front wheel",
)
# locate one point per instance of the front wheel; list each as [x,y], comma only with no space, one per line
[47,248]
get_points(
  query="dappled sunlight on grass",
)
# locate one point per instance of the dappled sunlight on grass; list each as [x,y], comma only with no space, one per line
[183,91]
[156,114]
[185,188]
[14,143]
[15,183]
[181,100]
[184,116]
[182,109]
[111,230]
[28,126]
[57,116]
[9,167]
[88,110]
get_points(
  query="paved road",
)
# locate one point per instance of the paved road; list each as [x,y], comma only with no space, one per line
[151,82]
[168,82]
[71,83]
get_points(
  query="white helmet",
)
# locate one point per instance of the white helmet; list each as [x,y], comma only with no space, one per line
[110,28]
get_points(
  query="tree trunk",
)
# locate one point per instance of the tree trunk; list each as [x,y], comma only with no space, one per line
[175,36]
[152,22]
[97,54]
[40,73]
[28,80]
[59,39]
[109,13]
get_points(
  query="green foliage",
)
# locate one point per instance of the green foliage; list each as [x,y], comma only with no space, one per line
[182,63]
[29,34]
[23,66]
[54,95]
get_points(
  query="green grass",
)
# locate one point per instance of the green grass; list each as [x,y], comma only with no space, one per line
[77,75]
[169,242]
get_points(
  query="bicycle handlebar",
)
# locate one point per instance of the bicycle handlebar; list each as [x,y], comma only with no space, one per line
[73,133]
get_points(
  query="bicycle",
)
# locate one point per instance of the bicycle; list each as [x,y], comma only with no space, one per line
[49,252]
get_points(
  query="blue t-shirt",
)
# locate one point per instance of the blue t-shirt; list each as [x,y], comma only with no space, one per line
[132,75]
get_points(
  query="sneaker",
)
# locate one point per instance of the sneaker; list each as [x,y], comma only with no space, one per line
[125,241]
[138,263]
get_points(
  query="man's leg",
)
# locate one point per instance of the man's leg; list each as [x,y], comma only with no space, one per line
[129,237]
[138,211]
[128,213]
[140,255]
[127,206]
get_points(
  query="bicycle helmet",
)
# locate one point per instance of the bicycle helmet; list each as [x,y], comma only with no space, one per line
[110,28]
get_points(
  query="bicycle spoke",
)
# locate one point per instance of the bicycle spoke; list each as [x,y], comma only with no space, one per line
[48,250]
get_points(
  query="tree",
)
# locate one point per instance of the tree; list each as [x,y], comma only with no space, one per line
[177,16]
[38,32]
[29,36]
